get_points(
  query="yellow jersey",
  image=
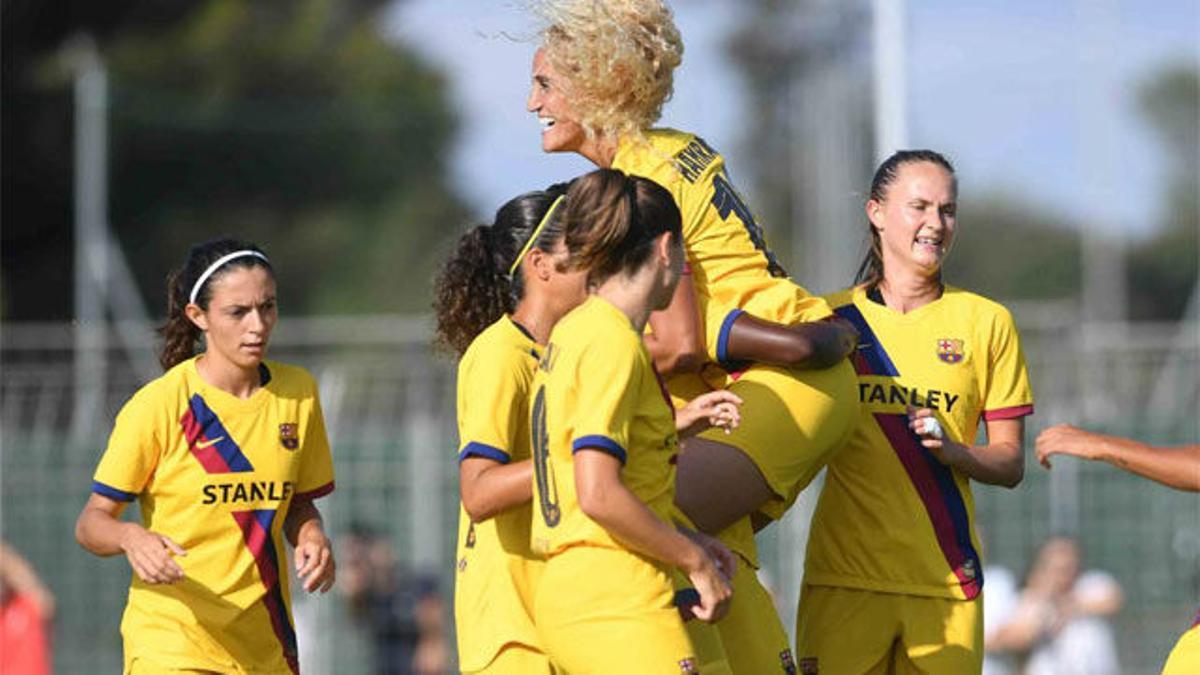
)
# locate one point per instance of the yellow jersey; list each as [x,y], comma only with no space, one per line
[596,388]
[732,266]
[216,474]
[891,517]
[493,594]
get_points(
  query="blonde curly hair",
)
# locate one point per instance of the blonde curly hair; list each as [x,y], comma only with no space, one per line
[618,58]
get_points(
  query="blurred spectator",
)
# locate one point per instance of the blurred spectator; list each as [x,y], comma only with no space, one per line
[26,609]
[403,613]
[1059,625]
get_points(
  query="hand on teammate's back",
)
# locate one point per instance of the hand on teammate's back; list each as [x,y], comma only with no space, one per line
[712,409]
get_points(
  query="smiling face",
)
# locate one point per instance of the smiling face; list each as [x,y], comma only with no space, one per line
[561,130]
[240,316]
[916,219]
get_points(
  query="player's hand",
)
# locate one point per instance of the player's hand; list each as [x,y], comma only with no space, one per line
[848,336]
[314,562]
[1064,439]
[151,555]
[712,409]
[714,590]
[924,423]
[722,557]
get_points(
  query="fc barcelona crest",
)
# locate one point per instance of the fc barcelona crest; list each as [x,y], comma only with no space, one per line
[289,435]
[688,667]
[950,350]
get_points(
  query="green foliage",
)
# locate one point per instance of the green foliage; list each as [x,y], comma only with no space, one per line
[298,125]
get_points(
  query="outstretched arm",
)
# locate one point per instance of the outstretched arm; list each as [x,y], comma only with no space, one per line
[1178,468]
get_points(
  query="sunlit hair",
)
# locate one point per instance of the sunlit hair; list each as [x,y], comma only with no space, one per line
[870,271]
[612,219]
[618,58]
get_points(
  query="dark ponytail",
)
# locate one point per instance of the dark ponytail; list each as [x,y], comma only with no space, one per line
[482,280]
[180,335]
[870,271]
[613,219]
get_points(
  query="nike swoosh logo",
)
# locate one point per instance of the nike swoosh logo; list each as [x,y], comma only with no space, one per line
[208,444]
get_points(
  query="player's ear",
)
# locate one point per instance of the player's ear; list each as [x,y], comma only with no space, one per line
[874,209]
[196,315]
[662,248]
[540,263]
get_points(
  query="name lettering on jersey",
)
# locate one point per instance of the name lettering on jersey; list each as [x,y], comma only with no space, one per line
[894,394]
[694,159]
[251,491]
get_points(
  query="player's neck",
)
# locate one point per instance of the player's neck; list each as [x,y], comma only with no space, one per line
[228,376]
[904,292]
[537,316]
[631,295]
[600,150]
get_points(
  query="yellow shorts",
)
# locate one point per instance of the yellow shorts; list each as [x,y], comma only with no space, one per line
[852,631]
[516,659]
[751,632]
[602,610]
[792,422]
[1184,659]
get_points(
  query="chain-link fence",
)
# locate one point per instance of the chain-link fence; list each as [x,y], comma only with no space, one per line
[389,404]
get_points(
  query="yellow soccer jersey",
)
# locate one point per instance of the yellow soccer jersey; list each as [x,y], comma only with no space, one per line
[891,517]
[732,266]
[493,598]
[596,388]
[216,474]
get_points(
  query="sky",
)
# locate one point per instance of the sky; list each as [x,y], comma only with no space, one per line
[1029,98]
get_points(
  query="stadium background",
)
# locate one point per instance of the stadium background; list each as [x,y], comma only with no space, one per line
[335,134]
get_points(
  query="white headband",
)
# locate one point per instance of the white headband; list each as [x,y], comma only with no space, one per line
[217,265]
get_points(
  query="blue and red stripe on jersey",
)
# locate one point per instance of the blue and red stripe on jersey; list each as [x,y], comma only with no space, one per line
[256,530]
[933,480]
[209,441]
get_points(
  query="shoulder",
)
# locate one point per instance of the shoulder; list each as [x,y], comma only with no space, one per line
[596,330]
[498,349]
[980,309]
[291,380]
[669,156]
[840,298]
[160,393]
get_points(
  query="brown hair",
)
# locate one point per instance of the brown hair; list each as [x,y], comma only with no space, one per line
[612,220]
[870,271]
[180,335]
[474,287]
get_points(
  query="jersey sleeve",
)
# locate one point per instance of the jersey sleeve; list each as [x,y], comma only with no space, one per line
[316,464]
[1008,394]
[494,407]
[132,454]
[607,377]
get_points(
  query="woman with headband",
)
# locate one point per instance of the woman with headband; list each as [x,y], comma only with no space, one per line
[497,297]
[225,454]
[600,78]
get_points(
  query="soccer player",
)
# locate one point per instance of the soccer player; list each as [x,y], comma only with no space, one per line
[225,454]
[604,449]
[1177,468]
[503,288]
[893,575]
[498,296]
[600,78]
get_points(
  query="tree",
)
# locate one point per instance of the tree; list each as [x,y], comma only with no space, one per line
[297,125]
